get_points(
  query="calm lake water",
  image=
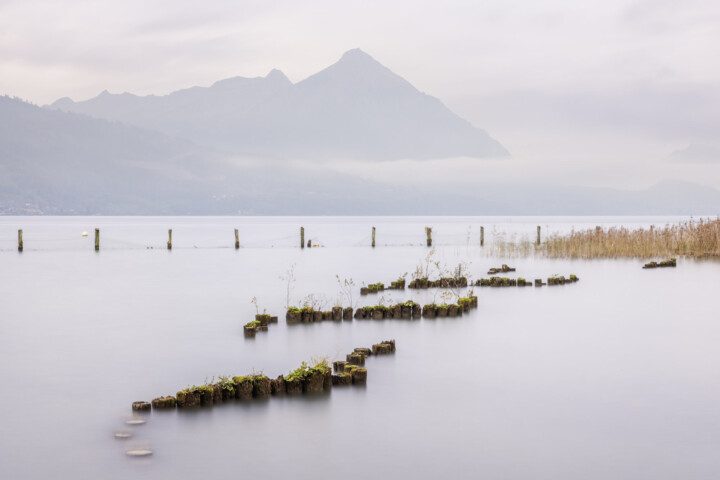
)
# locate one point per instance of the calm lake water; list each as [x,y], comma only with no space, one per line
[614,377]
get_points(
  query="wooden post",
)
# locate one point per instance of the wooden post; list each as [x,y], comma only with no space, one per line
[373,237]
[482,236]
[428,232]
[97,239]
[170,239]
[538,235]
[20,241]
[302,237]
[237,239]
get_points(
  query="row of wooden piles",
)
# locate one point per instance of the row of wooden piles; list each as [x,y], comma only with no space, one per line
[444,282]
[303,380]
[521,282]
[350,371]
[415,310]
[260,324]
[399,284]
[310,315]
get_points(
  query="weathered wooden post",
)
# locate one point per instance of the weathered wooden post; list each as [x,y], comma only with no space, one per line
[97,239]
[428,233]
[302,237]
[237,239]
[482,236]
[20,241]
[170,239]
[373,237]
[538,235]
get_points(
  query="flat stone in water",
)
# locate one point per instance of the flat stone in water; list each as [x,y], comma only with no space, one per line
[139,452]
[134,421]
[122,434]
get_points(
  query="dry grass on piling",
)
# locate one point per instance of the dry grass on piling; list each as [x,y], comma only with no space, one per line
[693,238]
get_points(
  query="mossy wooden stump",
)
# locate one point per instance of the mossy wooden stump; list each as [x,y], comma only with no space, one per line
[207,396]
[348,313]
[250,329]
[188,399]
[355,359]
[560,280]
[672,262]
[359,376]
[337,314]
[314,382]
[294,386]
[339,366]
[217,393]
[163,403]
[263,319]
[243,388]
[261,386]
[277,386]
[293,315]
[384,348]
[227,391]
[372,288]
[429,311]
[342,379]
[141,406]
[503,269]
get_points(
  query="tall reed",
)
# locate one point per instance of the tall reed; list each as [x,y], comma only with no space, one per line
[693,237]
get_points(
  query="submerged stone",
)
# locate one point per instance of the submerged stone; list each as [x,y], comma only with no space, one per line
[164,402]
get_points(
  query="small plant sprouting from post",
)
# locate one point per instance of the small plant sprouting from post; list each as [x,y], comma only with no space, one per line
[254,301]
[347,285]
[314,302]
[289,279]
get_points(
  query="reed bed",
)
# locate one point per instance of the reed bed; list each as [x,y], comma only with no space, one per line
[693,238]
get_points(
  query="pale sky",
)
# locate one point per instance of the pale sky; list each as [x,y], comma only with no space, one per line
[573,84]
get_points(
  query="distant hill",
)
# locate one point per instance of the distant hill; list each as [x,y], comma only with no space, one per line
[356,108]
[696,153]
[56,162]
[52,162]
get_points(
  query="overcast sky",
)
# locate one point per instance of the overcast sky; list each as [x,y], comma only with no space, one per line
[572,84]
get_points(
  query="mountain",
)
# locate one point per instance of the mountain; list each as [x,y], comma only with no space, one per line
[696,153]
[57,162]
[356,108]
[53,162]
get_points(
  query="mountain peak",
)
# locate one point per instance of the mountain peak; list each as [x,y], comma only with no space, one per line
[356,54]
[277,75]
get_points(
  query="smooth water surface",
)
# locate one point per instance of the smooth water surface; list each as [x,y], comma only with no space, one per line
[612,377]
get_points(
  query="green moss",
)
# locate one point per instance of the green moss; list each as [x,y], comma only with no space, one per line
[304,370]
[226,384]
[293,309]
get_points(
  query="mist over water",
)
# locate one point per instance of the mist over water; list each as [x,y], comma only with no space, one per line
[611,377]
